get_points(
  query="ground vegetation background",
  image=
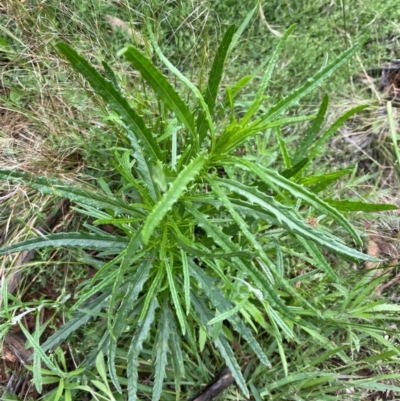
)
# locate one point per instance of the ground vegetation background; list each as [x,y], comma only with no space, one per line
[138,267]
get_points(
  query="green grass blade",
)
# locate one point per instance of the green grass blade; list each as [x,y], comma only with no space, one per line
[313,82]
[161,350]
[115,101]
[135,347]
[260,95]
[163,89]
[172,195]
[82,240]
[311,134]
[270,176]
[214,81]
[37,363]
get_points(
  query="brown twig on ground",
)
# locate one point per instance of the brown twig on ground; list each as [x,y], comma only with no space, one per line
[216,387]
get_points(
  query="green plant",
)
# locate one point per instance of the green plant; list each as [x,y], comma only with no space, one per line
[201,233]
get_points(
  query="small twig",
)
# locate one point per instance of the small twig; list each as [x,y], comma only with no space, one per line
[216,387]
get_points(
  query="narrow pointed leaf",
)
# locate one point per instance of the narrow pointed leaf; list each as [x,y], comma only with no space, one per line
[260,95]
[309,138]
[298,191]
[290,172]
[79,319]
[321,141]
[319,179]
[312,83]
[214,80]
[161,350]
[352,206]
[135,347]
[292,223]
[114,99]
[186,81]
[222,304]
[162,87]
[82,196]
[175,298]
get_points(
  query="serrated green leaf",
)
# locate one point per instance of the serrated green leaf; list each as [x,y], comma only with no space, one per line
[161,350]
[292,223]
[350,206]
[82,240]
[81,196]
[172,195]
[270,176]
[115,101]
[117,321]
[177,358]
[230,360]
[229,313]
[320,261]
[186,280]
[135,347]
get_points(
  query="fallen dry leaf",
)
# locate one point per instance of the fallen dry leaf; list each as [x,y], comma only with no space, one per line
[116,23]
